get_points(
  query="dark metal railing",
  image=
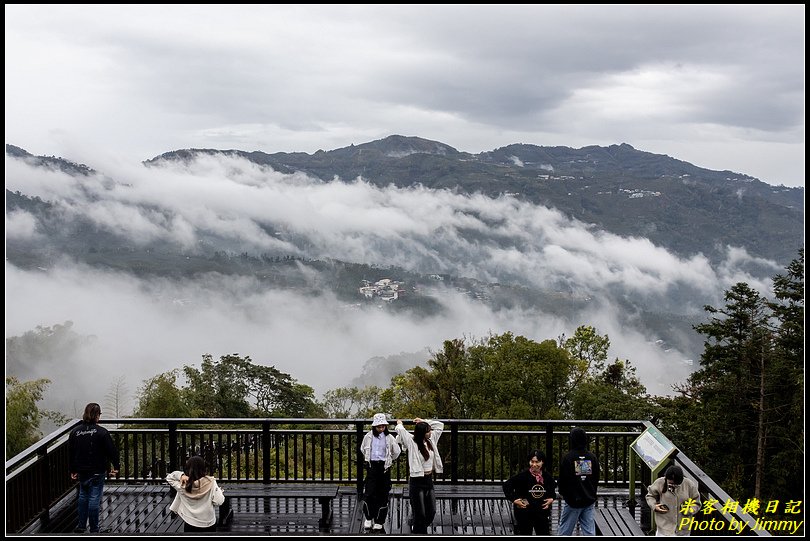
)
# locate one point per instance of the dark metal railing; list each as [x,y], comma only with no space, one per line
[37,478]
[308,450]
[297,450]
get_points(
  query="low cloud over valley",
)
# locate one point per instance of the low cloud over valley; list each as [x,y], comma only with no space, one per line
[137,325]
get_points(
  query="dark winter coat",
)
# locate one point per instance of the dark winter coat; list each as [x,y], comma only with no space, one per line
[524,485]
[91,449]
[579,472]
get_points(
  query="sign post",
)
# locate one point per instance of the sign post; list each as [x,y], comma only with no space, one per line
[654,449]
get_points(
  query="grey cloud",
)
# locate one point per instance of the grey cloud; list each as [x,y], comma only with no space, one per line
[21,225]
[495,240]
[416,228]
[152,327]
[476,77]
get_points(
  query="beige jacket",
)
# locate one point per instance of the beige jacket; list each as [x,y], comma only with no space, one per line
[667,523]
[196,507]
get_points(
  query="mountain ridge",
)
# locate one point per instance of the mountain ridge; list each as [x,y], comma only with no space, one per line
[629,192]
[678,205]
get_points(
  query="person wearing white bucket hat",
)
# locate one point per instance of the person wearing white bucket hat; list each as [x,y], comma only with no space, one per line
[380,450]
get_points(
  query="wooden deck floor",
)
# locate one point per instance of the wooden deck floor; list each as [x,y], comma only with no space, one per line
[144,509]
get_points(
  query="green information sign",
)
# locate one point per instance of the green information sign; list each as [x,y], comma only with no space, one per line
[653,448]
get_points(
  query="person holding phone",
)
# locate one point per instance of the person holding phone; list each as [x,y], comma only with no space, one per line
[672,497]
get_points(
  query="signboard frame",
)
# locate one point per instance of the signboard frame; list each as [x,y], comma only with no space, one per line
[653,448]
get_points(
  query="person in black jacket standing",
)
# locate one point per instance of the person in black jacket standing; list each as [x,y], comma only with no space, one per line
[91,450]
[579,476]
[532,491]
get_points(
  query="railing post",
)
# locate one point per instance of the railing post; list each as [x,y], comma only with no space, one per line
[550,448]
[173,458]
[266,452]
[360,460]
[44,486]
[632,482]
[454,453]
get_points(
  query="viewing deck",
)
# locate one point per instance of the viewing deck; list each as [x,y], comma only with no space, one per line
[303,476]
[144,509]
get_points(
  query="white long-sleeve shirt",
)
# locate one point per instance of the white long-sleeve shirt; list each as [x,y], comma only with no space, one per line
[415,458]
[392,448]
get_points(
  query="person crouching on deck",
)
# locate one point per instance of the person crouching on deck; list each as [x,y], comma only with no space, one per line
[532,491]
[197,494]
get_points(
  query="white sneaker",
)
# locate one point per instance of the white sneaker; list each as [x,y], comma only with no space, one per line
[378,527]
[367,523]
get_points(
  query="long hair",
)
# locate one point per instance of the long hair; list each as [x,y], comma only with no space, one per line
[92,413]
[194,470]
[419,435]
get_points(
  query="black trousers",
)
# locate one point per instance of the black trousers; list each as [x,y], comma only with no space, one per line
[423,503]
[532,520]
[188,528]
[375,494]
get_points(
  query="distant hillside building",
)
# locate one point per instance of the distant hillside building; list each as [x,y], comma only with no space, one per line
[386,289]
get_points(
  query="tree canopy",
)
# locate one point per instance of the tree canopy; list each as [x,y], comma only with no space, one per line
[513,377]
[23,416]
[229,387]
[741,415]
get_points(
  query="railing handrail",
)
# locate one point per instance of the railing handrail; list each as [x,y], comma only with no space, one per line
[367,421]
[36,449]
[708,485]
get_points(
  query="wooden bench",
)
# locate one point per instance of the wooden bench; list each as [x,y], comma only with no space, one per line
[616,521]
[464,492]
[460,509]
[324,493]
[456,493]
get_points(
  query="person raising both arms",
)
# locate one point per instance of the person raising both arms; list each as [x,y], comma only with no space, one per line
[423,462]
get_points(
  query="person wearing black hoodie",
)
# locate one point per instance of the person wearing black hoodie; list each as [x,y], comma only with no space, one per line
[91,450]
[579,476]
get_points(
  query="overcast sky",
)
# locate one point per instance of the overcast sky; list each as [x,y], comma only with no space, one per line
[720,87]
